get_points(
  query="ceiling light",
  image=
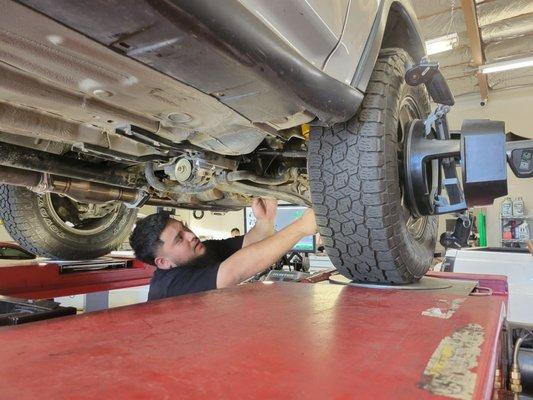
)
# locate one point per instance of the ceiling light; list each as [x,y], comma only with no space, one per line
[507,65]
[441,44]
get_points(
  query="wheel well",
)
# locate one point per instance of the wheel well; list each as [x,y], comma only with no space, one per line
[401,31]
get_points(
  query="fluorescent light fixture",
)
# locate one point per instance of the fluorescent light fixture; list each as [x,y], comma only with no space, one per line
[507,65]
[441,44]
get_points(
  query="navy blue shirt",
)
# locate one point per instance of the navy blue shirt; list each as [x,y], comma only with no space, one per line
[195,277]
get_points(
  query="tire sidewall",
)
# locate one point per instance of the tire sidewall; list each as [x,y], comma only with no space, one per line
[355,183]
[28,220]
[416,254]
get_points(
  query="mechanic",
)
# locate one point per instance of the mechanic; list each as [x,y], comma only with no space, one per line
[187,265]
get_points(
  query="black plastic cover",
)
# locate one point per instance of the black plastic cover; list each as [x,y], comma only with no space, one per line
[483,161]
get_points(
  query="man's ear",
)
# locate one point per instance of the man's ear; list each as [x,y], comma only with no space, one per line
[162,262]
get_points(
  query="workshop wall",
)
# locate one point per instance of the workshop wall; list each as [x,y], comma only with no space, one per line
[512,107]
[181,214]
[217,225]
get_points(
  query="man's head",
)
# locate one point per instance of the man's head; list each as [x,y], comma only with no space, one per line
[235,232]
[165,242]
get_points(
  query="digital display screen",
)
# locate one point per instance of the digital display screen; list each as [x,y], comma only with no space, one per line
[525,160]
[284,216]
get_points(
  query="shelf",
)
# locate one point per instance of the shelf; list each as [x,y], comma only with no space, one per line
[524,217]
[512,241]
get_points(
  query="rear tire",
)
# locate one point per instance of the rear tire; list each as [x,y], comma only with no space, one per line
[356,178]
[33,222]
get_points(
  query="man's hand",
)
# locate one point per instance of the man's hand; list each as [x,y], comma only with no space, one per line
[265,209]
[259,255]
[307,223]
[265,213]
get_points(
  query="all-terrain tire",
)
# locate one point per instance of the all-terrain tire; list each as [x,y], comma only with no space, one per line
[355,171]
[28,219]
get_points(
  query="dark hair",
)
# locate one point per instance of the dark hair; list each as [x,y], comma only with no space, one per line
[236,229]
[144,240]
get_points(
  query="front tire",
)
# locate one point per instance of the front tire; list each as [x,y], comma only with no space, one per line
[356,178]
[52,226]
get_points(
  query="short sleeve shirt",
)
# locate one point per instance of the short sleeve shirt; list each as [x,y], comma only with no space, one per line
[194,278]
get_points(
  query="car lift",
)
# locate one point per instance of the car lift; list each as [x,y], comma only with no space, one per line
[45,279]
[319,339]
[276,340]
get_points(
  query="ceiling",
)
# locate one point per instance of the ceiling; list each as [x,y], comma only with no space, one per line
[505,32]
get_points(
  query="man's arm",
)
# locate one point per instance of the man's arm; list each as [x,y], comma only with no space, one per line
[256,257]
[265,213]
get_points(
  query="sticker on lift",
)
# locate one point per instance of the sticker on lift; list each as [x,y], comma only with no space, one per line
[449,371]
[445,311]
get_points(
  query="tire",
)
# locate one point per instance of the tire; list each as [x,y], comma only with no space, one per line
[32,221]
[356,178]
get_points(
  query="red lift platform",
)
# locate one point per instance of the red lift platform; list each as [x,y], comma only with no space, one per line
[42,279]
[279,340]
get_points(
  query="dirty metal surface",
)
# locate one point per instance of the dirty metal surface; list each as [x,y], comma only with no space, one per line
[282,340]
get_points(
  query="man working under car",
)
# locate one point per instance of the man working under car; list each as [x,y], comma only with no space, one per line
[187,265]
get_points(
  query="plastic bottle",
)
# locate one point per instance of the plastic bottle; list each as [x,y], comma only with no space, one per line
[506,234]
[482,229]
[522,231]
[518,207]
[507,207]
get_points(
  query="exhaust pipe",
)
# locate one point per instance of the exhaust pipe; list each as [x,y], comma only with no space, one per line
[84,191]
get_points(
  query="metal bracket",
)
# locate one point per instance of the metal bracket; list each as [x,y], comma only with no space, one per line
[45,184]
[459,237]
[439,113]
[140,201]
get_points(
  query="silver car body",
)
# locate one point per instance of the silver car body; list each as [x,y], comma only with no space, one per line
[65,77]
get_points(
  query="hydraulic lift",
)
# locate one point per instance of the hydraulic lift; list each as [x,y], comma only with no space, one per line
[26,287]
[444,338]
[276,340]
[47,279]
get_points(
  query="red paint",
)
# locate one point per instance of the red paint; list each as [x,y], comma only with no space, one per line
[284,340]
[30,280]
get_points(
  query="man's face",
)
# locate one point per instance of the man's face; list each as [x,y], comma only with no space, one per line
[180,246]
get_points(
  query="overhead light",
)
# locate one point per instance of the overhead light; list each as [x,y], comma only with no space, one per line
[441,44]
[507,65]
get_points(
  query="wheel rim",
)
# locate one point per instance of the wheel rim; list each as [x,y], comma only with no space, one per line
[409,111]
[65,212]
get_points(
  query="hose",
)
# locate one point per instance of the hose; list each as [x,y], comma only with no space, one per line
[517,345]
